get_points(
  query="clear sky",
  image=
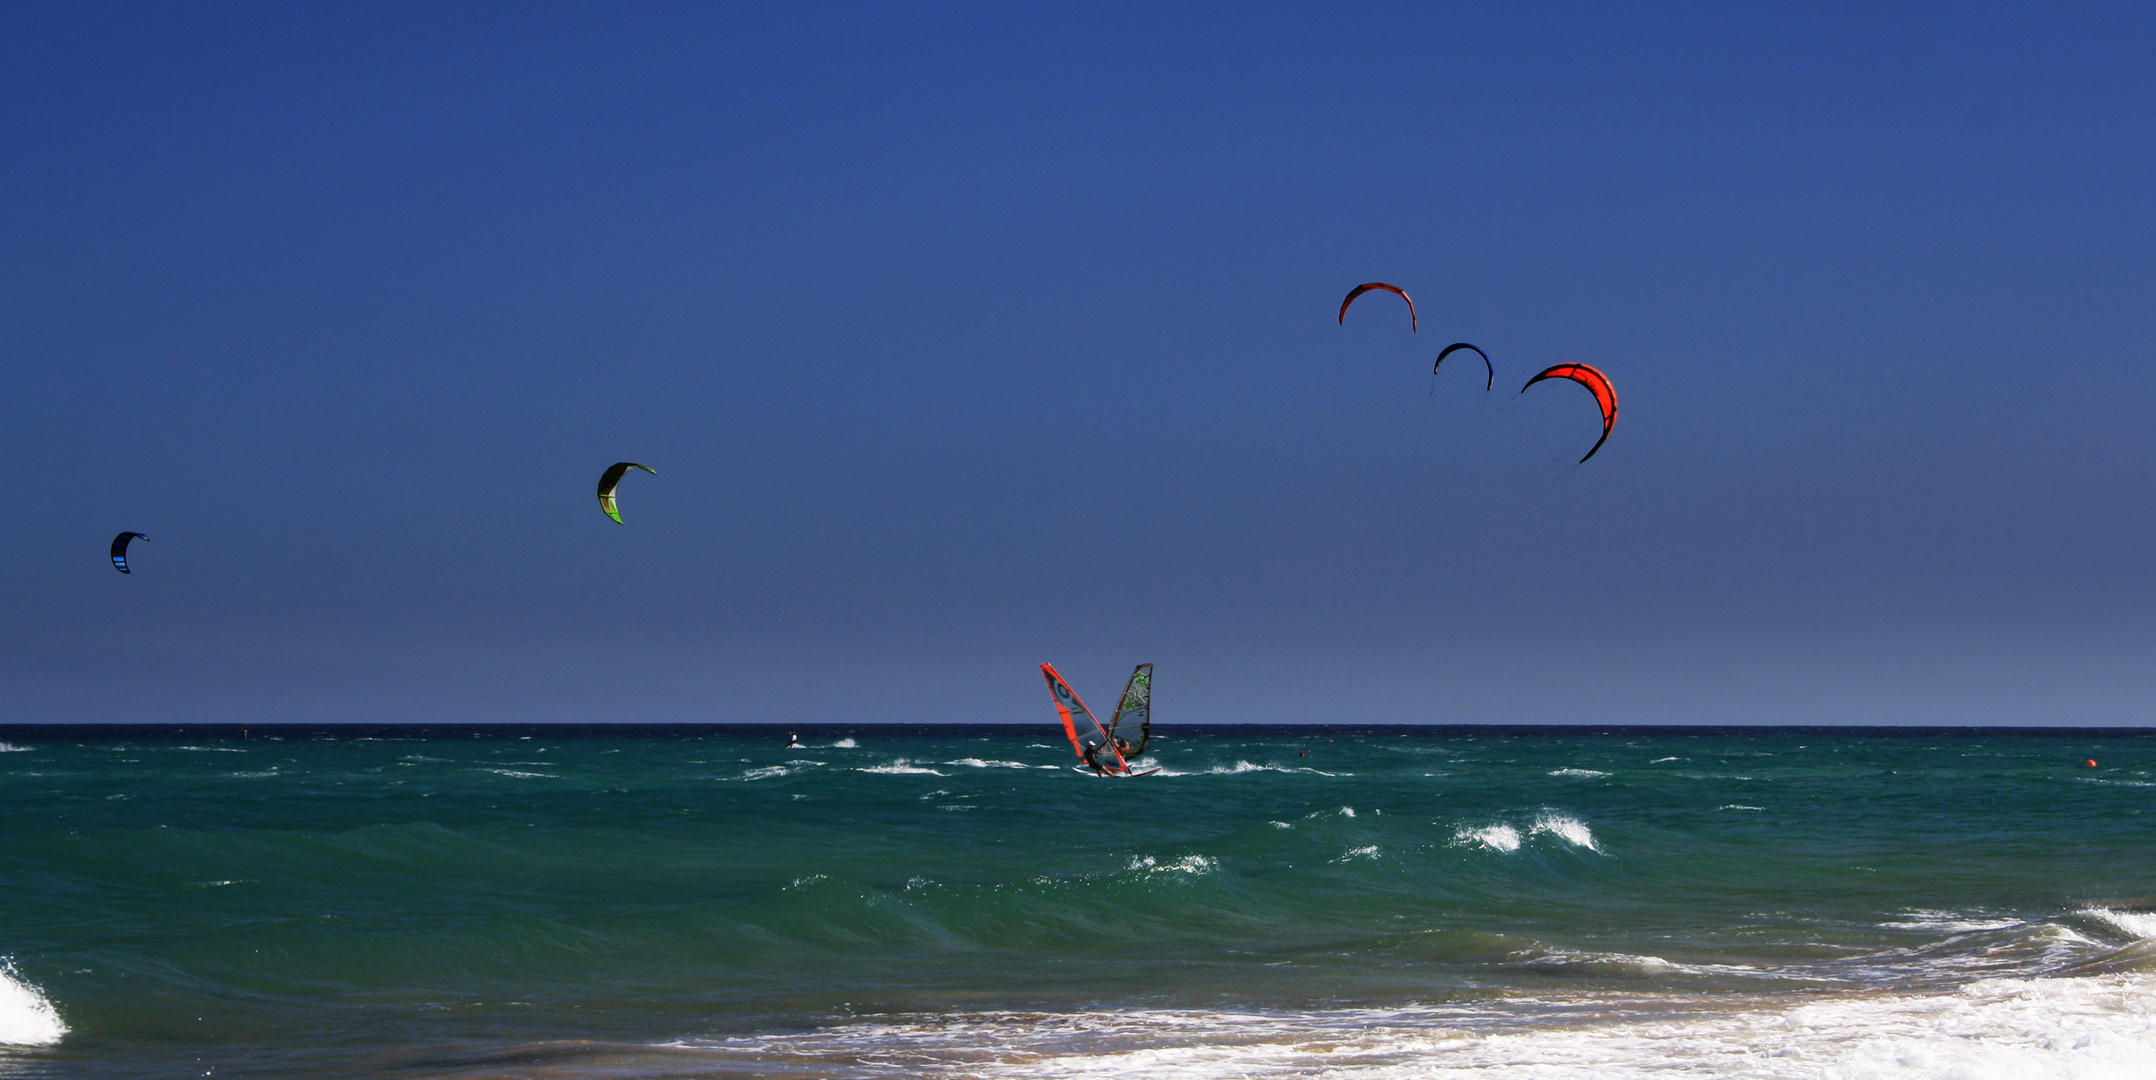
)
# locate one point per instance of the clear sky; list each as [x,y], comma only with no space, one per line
[968,337]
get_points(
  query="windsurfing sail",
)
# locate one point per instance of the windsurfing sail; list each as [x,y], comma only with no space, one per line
[1135,708]
[1094,745]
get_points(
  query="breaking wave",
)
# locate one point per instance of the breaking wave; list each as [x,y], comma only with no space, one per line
[900,768]
[1503,837]
[27,1018]
[1494,837]
[2139,924]
[1569,829]
[2099,1028]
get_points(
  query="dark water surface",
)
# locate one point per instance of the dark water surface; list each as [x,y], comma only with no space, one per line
[615,901]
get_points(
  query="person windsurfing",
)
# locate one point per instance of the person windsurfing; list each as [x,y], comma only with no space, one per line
[1104,752]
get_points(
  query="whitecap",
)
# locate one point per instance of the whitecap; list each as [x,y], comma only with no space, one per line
[845,744]
[1660,760]
[1738,806]
[766,772]
[1188,864]
[899,768]
[1495,837]
[1577,772]
[2139,924]
[521,774]
[1251,767]
[1369,852]
[1949,922]
[1570,829]
[11,748]
[27,1017]
[978,763]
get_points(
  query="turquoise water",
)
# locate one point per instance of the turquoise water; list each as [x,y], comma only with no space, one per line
[892,901]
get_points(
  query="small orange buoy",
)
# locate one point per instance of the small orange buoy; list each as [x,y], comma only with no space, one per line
[2092,763]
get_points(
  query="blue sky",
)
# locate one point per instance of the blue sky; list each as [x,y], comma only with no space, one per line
[968,337]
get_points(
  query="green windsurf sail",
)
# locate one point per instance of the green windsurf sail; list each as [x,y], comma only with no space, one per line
[1135,708]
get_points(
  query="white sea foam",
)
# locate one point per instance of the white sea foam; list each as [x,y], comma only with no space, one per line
[1950,922]
[1495,837]
[766,772]
[845,744]
[979,763]
[2139,924]
[1241,767]
[1570,829]
[900,768]
[1577,772]
[1369,852]
[1188,864]
[27,1018]
[1738,806]
[521,774]
[2087,1028]
[11,748]
[1660,760]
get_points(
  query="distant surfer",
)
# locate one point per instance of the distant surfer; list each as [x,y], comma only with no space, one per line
[792,740]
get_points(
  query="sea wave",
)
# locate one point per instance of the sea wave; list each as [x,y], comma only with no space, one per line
[1495,837]
[2139,924]
[2093,1028]
[11,748]
[1188,864]
[27,1016]
[1950,922]
[1241,767]
[1587,773]
[1500,836]
[1569,829]
[899,768]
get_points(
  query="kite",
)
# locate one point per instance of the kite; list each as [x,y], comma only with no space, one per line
[1393,289]
[1596,383]
[611,480]
[1489,378]
[119,550]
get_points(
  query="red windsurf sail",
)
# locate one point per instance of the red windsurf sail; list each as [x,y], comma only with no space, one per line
[1087,736]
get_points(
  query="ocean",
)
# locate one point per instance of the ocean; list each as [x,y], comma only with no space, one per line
[886,901]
